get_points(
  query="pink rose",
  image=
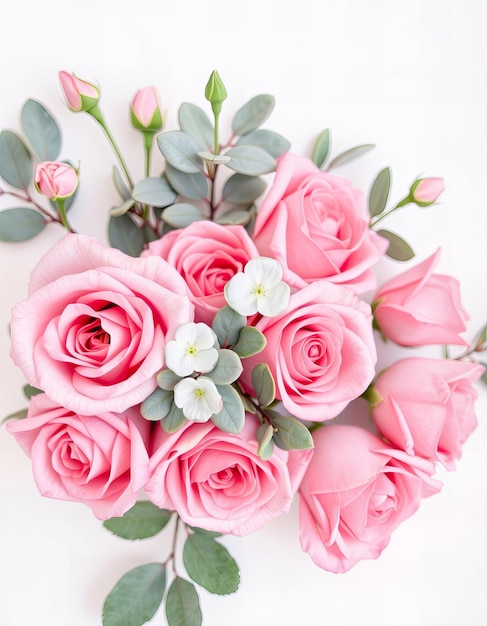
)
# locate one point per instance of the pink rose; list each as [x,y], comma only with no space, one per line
[80,95]
[418,308]
[355,492]
[317,226]
[216,480]
[92,332]
[427,406]
[99,460]
[426,191]
[320,350]
[145,110]
[55,180]
[206,255]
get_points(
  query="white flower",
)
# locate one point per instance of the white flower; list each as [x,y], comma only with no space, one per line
[198,398]
[258,289]
[192,350]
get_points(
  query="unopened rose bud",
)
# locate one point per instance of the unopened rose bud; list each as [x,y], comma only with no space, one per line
[56,180]
[145,111]
[79,94]
[426,191]
[215,92]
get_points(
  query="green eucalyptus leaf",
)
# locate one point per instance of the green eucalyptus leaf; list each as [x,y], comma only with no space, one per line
[241,189]
[156,406]
[125,235]
[121,209]
[210,565]
[231,418]
[250,160]
[236,216]
[266,445]
[143,520]
[30,391]
[15,161]
[379,192]
[182,604]
[174,420]
[350,154]
[181,215]
[398,249]
[41,130]
[321,148]
[136,597]
[227,369]
[180,151]
[263,384]
[292,433]
[213,159]
[227,325]
[195,123]
[154,191]
[253,114]
[20,224]
[192,186]
[250,341]
[18,415]
[120,186]
[271,142]
[167,379]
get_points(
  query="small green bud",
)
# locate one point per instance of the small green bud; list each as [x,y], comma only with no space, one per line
[215,92]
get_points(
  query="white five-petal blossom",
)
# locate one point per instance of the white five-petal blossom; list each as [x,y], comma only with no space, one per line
[258,289]
[192,350]
[198,398]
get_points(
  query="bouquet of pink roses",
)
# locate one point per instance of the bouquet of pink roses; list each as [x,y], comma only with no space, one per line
[207,355]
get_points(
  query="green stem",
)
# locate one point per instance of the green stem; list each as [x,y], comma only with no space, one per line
[400,204]
[62,213]
[216,141]
[148,143]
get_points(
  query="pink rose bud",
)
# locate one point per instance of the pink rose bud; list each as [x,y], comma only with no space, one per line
[55,180]
[419,308]
[426,191]
[145,111]
[79,94]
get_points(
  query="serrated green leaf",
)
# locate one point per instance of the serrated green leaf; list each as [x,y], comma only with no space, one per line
[15,161]
[181,215]
[292,433]
[194,122]
[182,604]
[252,114]
[30,391]
[120,186]
[231,418]
[210,565]
[41,130]
[125,235]
[263,384]
[242,189]
[227,325]
[136,597]
[174,420]
[143,520]
[20,224]
[271,142]
[180,151]
[167,379]
[250,341]
[350,154]
[156,406]
[250,160]
[398,249]
[236,216]
[379,192]
[321,148]
[266,445]
[227,369]
[192,186]
[154,191]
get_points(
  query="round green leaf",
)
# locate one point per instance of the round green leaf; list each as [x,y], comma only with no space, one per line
[227,325]
[182,604]
[253,114]
[236,216]
[271,142]
[125,235]
[180,150]
[263,384]
[154,191]
[181,215]
[157,405]
[379,192]
[167,379]
[398,249]
[15,160]
[231,418]
[292,433]
[250,160]
[192,186]
[41,130]
[195,123]
[143,520]
[242,189]
[174,420]
[20,224]
[321,148]
[227,369]
[210,565]
[250,341]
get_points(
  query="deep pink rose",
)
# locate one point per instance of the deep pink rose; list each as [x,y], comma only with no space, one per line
[93,330]
[355,492]
[317,226]
[207,255]
[216,480]
[418,308]
[99,460]
[320,350]
[427,406]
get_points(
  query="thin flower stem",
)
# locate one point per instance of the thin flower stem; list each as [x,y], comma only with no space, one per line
[62,213]
[400,204]
[28,198]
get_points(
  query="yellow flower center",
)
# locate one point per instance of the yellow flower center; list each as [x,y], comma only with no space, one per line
[259,290]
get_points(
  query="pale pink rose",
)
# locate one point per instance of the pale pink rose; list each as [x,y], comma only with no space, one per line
[100,460]
[426,191]
[317,226]
[427,406]
[320,350]
[55,180]
[207,255]
[145,110]
[418,308]
[80,95]
[216,481]
[355,492]
[92,332]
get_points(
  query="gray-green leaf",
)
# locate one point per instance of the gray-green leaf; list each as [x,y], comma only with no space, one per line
[236,216]
[30,391]
[182,604]
[20,224]
[271,142]
[181,215]
[321,148]
[41,130]
[167,379]
[195,123]
[350,154]
[180,151]
[231,418]
[174,420]
[157,405]
[250,341]
[125,235]
[264,437]
[227,325]
[15,160]
[253,114]
[250,160]
[379,192]
[121,209]
[136,597]
[263,384]
[291,434]
[398,249]
[227,369]
[143,520]
[120,186]
[210,565]
[154,191]
[242,189]
[192,186]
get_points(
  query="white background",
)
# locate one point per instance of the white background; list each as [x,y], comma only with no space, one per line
[409,76]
